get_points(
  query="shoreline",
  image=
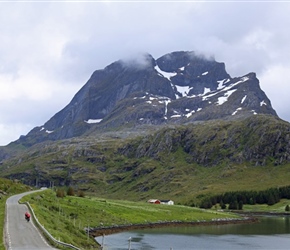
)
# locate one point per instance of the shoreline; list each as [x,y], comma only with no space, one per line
[101,231]
[261,213]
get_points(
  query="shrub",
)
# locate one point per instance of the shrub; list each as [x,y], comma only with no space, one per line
[60,193]
[240,205]
[81,193]
[233,205]
[222,205]
[70,191]
[206,204]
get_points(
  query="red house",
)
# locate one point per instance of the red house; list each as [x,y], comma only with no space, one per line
[154,201]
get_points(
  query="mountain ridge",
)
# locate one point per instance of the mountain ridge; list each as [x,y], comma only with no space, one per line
[177,88]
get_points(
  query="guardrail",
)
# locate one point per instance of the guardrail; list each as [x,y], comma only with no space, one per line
[46,232]
[5,236]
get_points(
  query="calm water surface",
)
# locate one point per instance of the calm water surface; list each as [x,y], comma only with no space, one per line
[270,233]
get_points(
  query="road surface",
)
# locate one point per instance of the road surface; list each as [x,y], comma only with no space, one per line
[20,234]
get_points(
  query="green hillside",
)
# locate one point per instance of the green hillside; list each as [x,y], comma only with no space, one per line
[182,163]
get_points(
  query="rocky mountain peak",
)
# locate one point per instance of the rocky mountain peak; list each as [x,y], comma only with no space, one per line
[177,88]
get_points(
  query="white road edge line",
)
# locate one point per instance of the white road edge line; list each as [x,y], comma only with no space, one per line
[44,240]
[8,234]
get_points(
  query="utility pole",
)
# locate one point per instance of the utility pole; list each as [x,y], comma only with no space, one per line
[103,239]
[58,208]
[88,230]
[129,247]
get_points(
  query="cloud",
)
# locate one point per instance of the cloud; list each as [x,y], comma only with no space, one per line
[48,50]
[275,81]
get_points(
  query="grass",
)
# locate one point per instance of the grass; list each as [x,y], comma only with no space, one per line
[276,208]
[212,181]
[2,214]
[66,218]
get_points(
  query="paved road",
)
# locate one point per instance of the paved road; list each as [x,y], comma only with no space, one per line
[22,235]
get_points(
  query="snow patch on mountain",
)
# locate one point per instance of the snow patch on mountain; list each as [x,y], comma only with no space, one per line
[236,111]
[46,130]
[190,113]
[227,89]
[206,90]
[244,98]
[183,90]
[221,83]
[175,116]
[92,121]
[223,99]
[164,73]
[263,103]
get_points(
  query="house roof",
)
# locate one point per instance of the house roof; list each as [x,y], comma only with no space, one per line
[153,200]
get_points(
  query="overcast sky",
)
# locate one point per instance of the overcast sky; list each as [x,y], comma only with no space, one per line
[49,49]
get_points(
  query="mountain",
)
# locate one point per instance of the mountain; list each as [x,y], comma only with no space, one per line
[178,126]
[177,88]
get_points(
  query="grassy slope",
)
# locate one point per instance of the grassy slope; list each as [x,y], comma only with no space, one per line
[276,208]
[171,179]
[169,170]
[185,182]
[66,218]
[10,188]
[2,214]
[240,177]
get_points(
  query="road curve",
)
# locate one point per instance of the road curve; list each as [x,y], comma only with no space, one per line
[20,234]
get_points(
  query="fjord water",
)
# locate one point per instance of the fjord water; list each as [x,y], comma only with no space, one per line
[272,232]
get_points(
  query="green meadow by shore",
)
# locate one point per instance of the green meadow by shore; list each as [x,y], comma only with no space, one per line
[67,218]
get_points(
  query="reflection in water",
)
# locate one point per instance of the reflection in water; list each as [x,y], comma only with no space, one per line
[269,233]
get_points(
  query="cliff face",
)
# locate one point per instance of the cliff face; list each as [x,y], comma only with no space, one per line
[257,140]
[177,88]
